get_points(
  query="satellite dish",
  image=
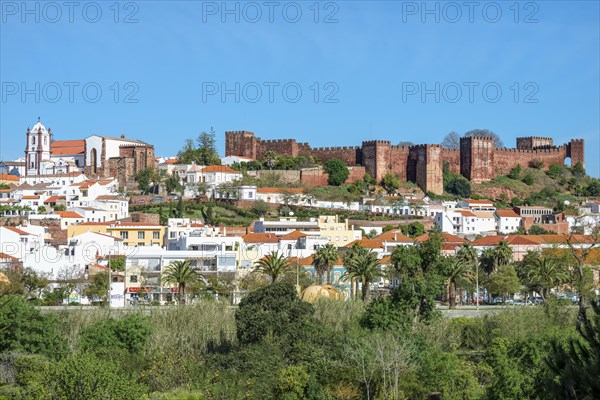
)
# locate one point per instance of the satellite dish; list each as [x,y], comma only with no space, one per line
[291,213]
[567,202]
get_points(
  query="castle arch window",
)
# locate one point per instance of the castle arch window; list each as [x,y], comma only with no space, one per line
[33,140]
[45,140]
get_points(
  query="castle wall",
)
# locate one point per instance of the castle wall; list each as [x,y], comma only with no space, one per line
[477,159]
[350,155]
[399,161]
[506,159]
[452,156]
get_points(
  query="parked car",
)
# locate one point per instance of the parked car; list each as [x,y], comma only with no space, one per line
[157,199]
[140,201]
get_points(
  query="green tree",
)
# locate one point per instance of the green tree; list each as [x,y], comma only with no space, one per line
[593,188]
[272,311]
[207,150]
[538,230]
[260,207]
[337,171]
[577,365]
[457,270]
[98,287]
[270,159]
[504,281]
[172,183]
[25,329]
[536,164]
[578,170]
[545,273]
[147,179]
[458,186]
[182,274]
[324,259]
[390,183]
[362,265]
[274,265]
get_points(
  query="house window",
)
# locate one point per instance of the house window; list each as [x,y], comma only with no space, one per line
[141,235]
[140,244]
[133,278]
[156,235]
[33,140]
[124,235]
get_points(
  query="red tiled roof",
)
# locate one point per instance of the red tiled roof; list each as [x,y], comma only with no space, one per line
[16,230]
[466,213]
[508,213]
[367,243]
[448,238]
[59,147]
[395,235]
[512,240]
[386,260]
[260,238]
[471,201]
[220,168]
[110,197]
[4,256]
[309,261]
[30,197]
[53,199]
[295,235]
[279,190]
[8,177]
[68,214]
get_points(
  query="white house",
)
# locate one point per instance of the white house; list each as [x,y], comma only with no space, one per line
[507,221]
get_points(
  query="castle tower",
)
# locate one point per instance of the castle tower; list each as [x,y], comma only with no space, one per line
[376,157]
[241,143]
[575,150]
[37,149]
[477,158]
[429,175]
[534,142]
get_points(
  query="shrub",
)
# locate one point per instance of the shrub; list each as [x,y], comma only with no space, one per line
[459,186]
[130,333]
[528,180]
[25,329]
[537,164]
[337,171]
[515,172]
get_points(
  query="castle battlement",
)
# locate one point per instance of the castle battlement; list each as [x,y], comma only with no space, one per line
[376,142]
[477,158]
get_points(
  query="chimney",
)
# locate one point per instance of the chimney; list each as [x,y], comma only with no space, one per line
[122,136]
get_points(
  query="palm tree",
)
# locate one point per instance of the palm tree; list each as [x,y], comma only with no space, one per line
[457,270]
[324,259]
[273,264]
[181,273]
[468,254]
[270,159]
[364,267]
[502,254]
[546,273]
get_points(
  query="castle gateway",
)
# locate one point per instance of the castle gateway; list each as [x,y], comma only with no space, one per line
[477,159]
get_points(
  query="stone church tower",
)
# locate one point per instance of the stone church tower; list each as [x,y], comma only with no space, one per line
[37,149]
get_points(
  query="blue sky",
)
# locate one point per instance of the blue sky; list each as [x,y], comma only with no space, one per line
[370,60]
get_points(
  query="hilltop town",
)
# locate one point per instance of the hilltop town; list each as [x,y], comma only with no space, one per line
[71,207]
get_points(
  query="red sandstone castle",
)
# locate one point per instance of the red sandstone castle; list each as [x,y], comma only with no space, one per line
[477,159]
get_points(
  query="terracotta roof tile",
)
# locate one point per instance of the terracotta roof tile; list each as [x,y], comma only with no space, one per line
[395,235]
[68,214]
[508,213]
[260,238]
[221,169]
[8,177]
[367,243]
[16,230]
[295,235]
[59,147]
